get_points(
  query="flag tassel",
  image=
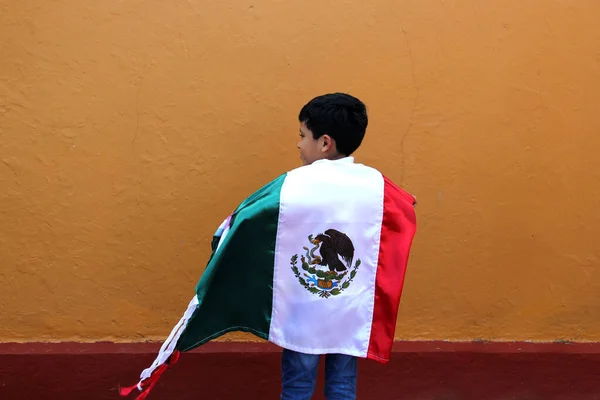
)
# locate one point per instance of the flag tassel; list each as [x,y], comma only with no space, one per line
[146,386]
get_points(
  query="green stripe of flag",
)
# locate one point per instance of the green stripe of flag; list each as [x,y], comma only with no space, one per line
[235,292]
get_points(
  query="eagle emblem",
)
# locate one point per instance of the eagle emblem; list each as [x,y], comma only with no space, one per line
[331,271]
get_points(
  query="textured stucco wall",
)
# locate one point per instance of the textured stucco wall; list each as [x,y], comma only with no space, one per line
[128,130]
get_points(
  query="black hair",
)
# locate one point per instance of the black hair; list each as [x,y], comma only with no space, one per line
[339,115]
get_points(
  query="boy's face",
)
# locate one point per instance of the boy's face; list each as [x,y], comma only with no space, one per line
[311,149]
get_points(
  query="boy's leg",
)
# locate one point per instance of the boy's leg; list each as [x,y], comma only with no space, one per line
[340,377]
[298,375]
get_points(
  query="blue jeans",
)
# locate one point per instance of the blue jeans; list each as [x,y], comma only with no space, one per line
[299,376]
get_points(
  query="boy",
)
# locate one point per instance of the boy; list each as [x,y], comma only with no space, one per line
[332,127]
[313,262]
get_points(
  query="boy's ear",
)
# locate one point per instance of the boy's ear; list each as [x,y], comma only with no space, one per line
[328,142]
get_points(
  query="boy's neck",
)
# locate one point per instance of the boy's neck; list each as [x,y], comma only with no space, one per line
[335,156]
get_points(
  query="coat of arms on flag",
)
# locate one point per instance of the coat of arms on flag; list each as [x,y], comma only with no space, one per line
[336,253]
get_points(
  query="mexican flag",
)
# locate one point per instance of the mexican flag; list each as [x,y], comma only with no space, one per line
[314,262]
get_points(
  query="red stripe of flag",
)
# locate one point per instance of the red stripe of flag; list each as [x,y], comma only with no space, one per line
[397,231]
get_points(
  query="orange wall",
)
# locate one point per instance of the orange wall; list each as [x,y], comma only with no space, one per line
[128,130]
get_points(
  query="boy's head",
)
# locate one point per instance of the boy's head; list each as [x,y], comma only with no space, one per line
[332,126]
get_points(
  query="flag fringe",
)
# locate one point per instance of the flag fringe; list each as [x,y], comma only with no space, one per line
[146,386]
[167,355]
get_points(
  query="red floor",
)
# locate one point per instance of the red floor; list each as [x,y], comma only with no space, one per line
[238,375]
